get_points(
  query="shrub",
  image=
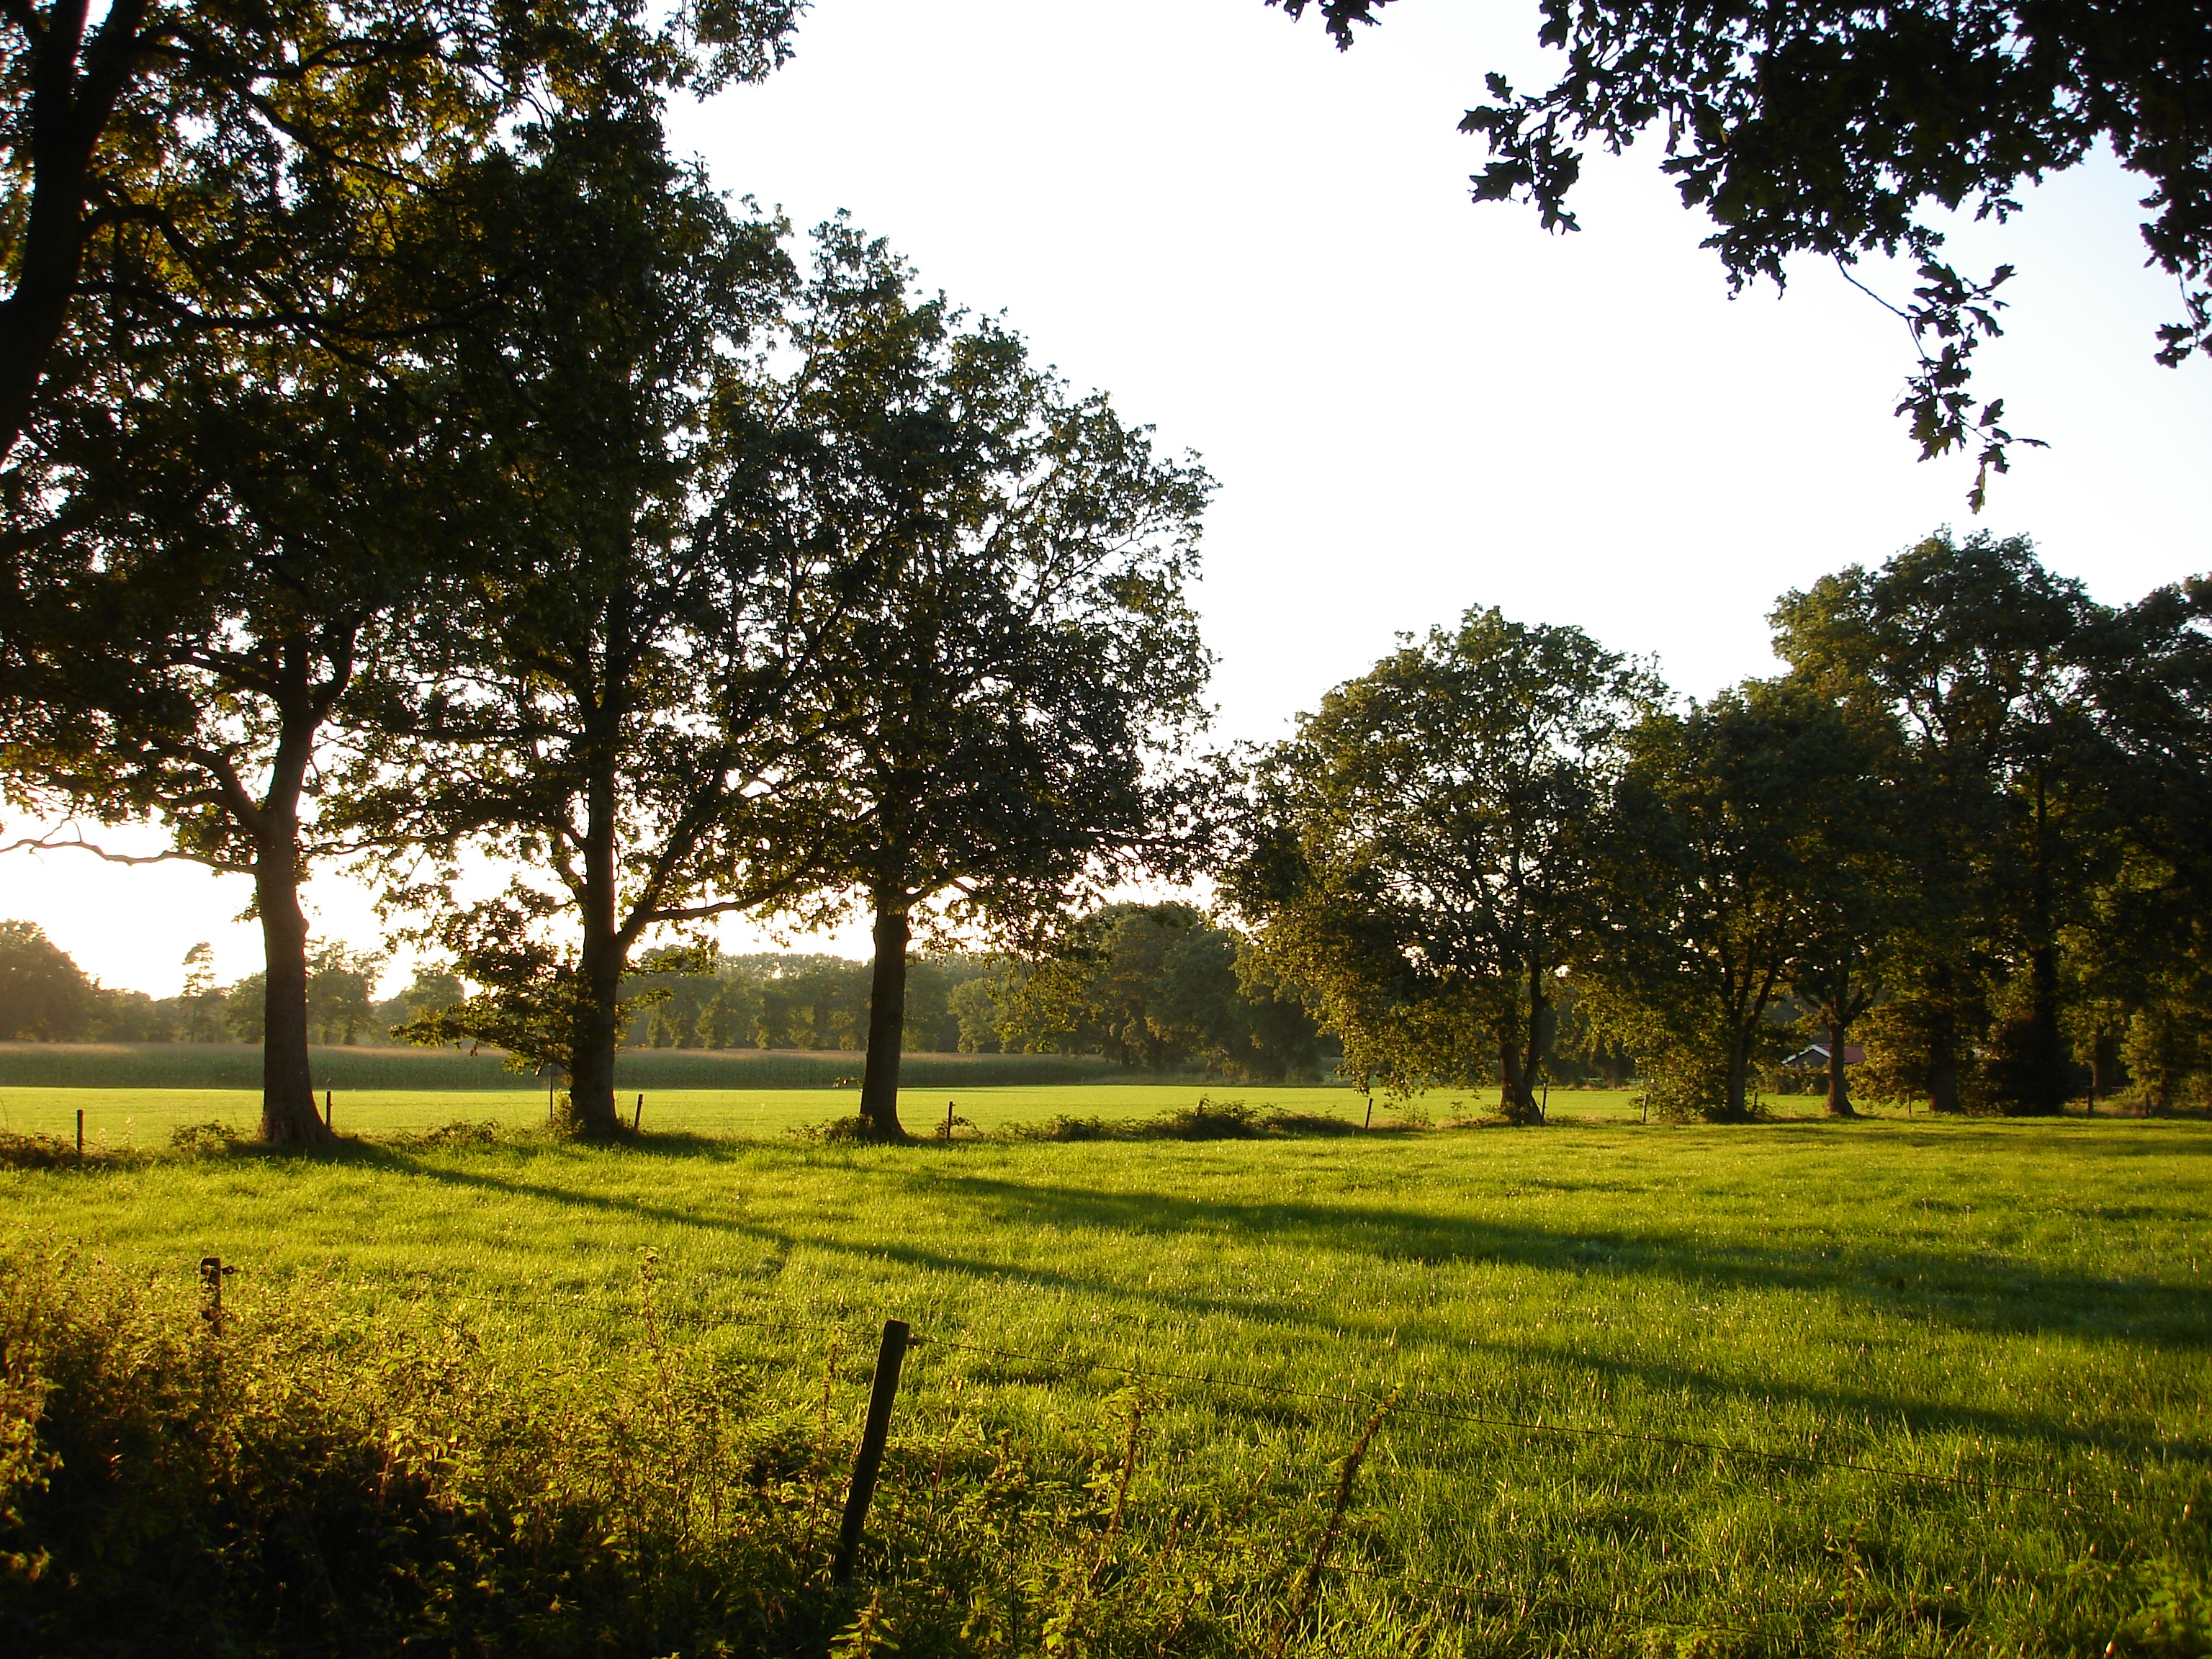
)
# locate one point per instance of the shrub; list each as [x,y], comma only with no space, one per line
[309,1479]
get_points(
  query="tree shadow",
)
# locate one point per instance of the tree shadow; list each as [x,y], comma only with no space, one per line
[1935,1289]
[1965,1292]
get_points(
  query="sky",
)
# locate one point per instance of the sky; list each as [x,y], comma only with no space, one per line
[1414,404]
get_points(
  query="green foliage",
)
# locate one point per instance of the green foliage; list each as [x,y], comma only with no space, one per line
[2046,762]
[1420,858]
[299,1479]
[1849,131]
[1733,824]
[176,156]
[44,995]
[1018,671]
[1155,988]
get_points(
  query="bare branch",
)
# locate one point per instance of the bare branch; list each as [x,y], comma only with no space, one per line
[39,844]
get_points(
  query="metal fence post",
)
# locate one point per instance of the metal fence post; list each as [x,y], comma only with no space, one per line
[888,1358]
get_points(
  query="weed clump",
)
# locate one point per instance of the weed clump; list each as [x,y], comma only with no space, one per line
[210,1140]
[1206,1120]
[461,1133]
[304,1478]
[19,1151]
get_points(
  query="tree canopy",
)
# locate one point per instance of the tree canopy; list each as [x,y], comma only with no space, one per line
[1842,130]
[1421,849]
[1020,669]
[165,146]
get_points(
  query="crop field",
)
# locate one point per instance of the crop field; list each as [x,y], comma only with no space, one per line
[1888,1387]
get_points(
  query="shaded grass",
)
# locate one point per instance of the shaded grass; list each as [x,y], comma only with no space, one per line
[2021,1304]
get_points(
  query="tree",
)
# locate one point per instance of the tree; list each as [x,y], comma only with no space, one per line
[163,141]
[340,983]
[202,998]
[44,995]
[1154,987]
[1853,897]
[613,701]
[1715,875]
[1988,666]
[1022,669]
[204,542]
[1420,856]
[1839,129]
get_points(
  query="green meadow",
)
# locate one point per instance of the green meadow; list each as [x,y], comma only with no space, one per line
[1886,1387]
[145,1118]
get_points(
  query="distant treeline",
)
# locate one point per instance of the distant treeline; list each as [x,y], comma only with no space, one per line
[1154,989]
[238,1066]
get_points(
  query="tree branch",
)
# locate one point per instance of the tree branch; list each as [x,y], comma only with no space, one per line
[40,844]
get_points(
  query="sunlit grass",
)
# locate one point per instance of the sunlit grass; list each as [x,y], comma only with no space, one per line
[2001,1306]
[144,1118]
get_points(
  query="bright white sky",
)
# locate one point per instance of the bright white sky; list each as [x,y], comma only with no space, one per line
[1414,404]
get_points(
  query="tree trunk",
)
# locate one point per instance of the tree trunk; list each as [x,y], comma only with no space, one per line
[2104,1055]
[2049,1072]
[1840,1094]
[593,1033]
[1513,1100]
[879,1081]
[1943,1062]
[1534,1057]
[1736,1108]
[74,85]
[289,1117]
[2040,1076]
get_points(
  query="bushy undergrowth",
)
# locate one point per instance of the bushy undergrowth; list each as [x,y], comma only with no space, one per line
[1206,1120]
[303,1480]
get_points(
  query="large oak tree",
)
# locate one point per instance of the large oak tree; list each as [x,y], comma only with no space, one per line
[612,699]
[1420,857]
[1023,672]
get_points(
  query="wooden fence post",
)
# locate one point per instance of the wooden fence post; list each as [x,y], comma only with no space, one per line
[80,1131]
[888,1358]
[212,1274]
[640,1118]
[326,1108]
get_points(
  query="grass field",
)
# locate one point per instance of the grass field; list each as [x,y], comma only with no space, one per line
[144,1118]
[352,1069]
[2019,1312]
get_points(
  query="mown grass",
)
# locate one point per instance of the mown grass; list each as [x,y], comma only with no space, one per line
[145,1118]
[2019,1312]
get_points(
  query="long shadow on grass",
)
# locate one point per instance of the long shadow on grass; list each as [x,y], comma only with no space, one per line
[1429,1241]
[1965,1293]
[1979,1295]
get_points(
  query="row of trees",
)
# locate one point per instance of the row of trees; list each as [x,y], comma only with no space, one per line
[44,997]
[1974,816]
[1156,988]
[1970,826]
[624,554]
[407,461]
